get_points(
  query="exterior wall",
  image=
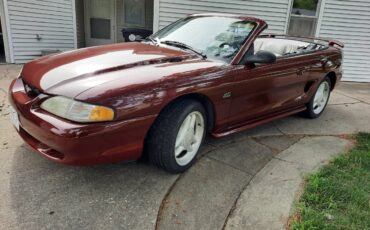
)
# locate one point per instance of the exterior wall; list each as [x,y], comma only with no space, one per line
[52,20]
[348,21]
[275,12]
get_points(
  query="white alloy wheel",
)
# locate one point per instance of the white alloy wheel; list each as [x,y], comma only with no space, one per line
[189,138]
[321,97]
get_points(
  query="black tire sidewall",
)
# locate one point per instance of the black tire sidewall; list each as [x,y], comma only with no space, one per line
[161,146]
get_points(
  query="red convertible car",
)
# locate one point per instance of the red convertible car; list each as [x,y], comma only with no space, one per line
[207,73]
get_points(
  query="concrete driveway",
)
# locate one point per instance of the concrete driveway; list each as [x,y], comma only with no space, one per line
[247,180]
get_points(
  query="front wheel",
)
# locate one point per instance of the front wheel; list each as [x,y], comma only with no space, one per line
[175,138]
[318,102]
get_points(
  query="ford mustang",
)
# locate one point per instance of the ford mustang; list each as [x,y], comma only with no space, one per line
[159,97]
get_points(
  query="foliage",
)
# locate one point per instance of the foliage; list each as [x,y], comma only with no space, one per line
[338,196]
[305,4]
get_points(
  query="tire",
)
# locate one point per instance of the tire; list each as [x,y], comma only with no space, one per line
[172,144]
[317,104]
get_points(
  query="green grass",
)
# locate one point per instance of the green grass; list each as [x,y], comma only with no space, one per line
[338,195]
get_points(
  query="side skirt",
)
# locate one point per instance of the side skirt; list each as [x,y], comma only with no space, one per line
[258,122]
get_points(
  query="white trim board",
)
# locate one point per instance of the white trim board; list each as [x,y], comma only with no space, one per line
[7,30]
[289,11]
[156,16]
[73,2]
[319,20]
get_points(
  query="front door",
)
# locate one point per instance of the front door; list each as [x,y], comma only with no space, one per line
[99,22]
[267,88]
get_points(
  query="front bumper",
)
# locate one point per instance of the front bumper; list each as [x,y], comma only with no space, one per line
[77,144]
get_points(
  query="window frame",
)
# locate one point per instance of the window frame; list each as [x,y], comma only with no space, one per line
[316,17]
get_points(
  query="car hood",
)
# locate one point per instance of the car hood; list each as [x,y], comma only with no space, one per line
[73,72]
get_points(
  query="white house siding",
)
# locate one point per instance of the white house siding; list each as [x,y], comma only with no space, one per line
[51,19]
[275,12]
[348,21]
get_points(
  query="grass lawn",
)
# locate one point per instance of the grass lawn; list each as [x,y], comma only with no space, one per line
[338,195]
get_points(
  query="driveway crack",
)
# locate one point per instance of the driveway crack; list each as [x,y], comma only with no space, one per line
[273,150]
[164,201]
[229,165]
[232,209]
[231,212]
[277,127]
[280,159]
[353,98]
[347,103]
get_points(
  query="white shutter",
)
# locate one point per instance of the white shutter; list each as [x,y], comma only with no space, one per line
[52,20]
[275,12]
[348,22]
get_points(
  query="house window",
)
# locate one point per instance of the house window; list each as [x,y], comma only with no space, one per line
[100,28]
[303,17]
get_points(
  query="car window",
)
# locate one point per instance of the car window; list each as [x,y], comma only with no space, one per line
[217,37]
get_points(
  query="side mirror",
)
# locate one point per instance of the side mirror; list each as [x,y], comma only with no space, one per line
[261,56]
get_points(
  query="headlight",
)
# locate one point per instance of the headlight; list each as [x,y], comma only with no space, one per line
[77,111]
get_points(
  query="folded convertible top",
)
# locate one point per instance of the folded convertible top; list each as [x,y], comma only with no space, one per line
[331,42]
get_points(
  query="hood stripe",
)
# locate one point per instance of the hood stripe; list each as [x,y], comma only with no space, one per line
[120,67]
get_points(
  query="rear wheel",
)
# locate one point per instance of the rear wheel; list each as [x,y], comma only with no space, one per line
[318,102]
[175,138]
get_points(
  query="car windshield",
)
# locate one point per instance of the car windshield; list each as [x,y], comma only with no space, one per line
[213,36]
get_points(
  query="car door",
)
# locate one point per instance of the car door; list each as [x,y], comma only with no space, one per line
[264,89]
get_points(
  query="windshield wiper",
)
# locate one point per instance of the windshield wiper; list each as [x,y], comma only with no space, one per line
[184,46]
[152,40]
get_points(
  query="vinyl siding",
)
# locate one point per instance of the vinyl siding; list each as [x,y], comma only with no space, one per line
[348,21]
[51,19]
[273,11]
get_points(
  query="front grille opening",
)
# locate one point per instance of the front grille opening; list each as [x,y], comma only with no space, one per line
[30,90]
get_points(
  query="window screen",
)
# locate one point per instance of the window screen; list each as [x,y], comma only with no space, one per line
[100,28]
